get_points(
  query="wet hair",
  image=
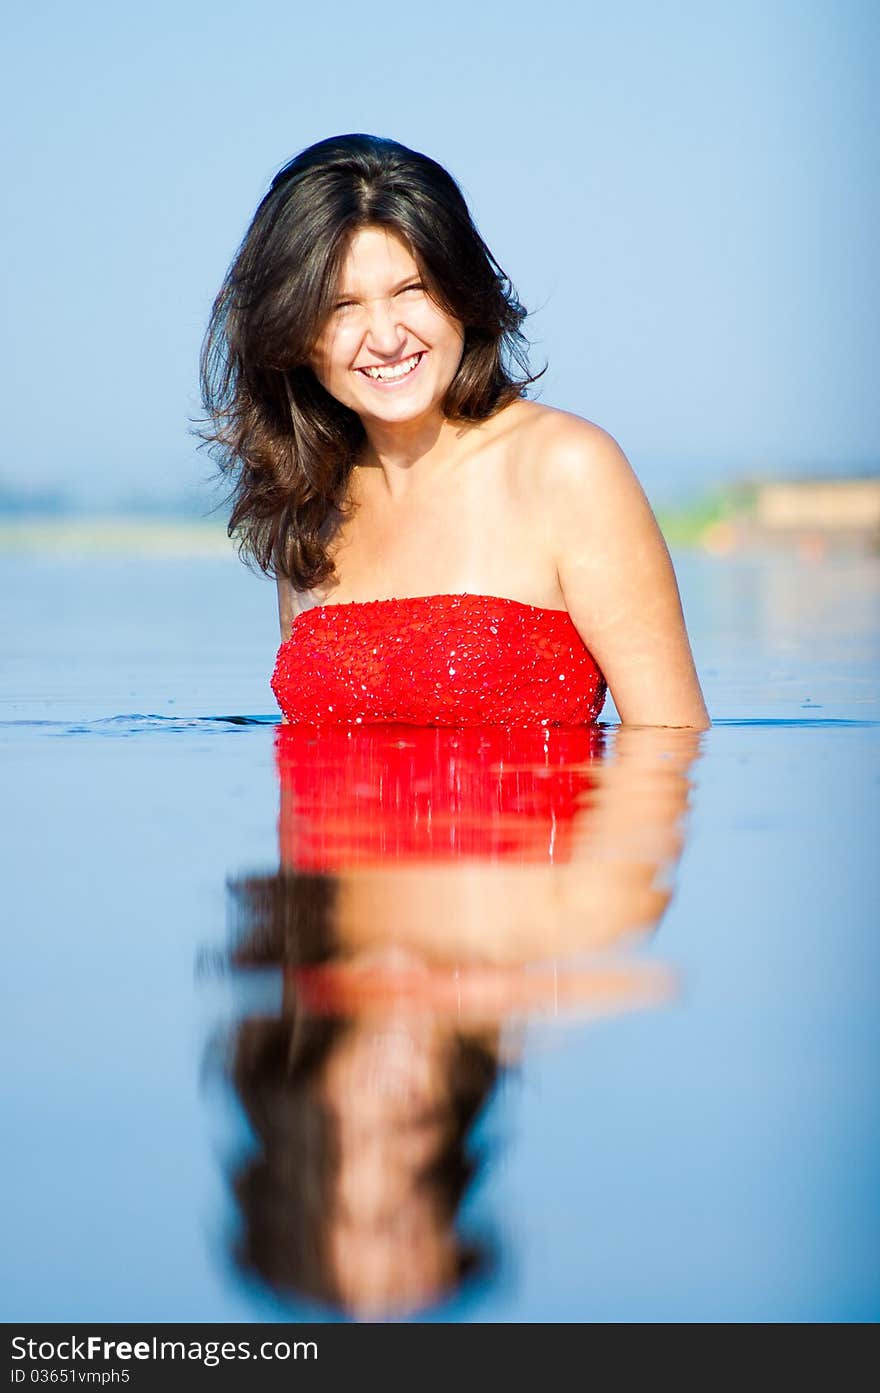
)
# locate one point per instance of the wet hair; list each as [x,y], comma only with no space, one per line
[284,442]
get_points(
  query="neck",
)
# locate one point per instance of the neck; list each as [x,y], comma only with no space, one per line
[406,450]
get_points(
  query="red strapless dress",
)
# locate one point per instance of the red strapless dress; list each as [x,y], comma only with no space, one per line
[437,660]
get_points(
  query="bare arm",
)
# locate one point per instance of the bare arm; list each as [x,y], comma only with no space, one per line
[286,605]
[286,611]
[618,581]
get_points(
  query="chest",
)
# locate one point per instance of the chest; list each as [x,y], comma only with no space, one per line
[472,532]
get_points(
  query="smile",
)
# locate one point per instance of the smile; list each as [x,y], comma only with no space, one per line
[394,373]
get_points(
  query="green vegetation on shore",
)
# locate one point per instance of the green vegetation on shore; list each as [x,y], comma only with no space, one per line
[695,523]
[100,535]
[167,536]
[729,518]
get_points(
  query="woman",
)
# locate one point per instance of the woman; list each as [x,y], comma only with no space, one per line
[361,1118]
[446,551]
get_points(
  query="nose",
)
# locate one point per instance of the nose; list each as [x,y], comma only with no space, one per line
[385,335]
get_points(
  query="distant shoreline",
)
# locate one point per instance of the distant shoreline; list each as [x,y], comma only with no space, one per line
[114,536]
[813,516]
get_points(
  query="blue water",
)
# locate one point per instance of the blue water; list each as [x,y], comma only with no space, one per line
[711,1156]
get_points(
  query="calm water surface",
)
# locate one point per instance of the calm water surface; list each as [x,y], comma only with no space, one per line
[473,1026]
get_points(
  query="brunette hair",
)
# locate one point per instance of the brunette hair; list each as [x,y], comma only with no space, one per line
[285,442]
[284,1184]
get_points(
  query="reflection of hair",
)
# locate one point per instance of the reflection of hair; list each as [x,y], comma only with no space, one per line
[284,1190]
[284,919]
[288,444]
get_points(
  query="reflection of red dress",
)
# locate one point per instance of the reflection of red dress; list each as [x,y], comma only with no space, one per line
[389,793]
[448,660]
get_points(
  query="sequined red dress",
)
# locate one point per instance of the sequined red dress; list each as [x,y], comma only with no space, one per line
[441,660]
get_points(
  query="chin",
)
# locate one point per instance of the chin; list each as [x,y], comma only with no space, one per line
[397,409]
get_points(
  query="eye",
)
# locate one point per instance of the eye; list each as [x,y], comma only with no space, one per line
[344,304]
[416,285]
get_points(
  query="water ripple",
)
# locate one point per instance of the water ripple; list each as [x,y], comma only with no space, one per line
[138,723]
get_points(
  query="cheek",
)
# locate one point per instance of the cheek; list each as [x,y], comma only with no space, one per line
[317,359]
[443,334]
[445,331]
[455,333]
[324,359]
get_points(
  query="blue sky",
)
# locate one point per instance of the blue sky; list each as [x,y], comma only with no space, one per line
[685,194]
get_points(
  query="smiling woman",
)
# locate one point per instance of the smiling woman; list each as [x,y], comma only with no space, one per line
[386,334]
[365,375]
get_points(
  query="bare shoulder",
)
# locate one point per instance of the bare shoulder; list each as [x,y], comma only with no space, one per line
[587,490]
[573,482]
[564,461]
[570,456]
[291,602]
[614,568]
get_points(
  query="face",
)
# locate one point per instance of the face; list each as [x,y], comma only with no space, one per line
[387,1076]
[391,1247]
[387,350]
[395,1266]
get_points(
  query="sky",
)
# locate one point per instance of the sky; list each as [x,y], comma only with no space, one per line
[684,194]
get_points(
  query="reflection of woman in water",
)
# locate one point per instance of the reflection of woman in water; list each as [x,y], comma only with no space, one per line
[361,1127]
[405,986]
[446,551]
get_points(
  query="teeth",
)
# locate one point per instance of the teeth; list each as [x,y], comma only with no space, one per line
[399,369]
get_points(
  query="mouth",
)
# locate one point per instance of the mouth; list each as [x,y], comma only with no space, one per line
[392,375]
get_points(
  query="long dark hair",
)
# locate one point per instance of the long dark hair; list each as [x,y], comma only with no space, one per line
[284,1185]
[285,442]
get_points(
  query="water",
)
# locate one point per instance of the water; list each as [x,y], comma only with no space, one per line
[683,1125]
